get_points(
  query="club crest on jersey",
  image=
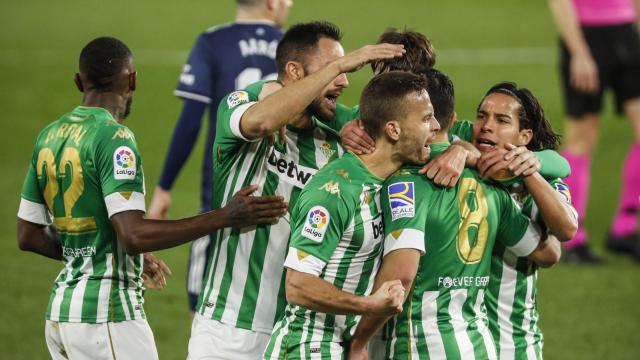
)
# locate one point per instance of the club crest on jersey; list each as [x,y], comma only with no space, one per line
[236,98]
[401,200]
[124,164]
[316,224]
[564,191]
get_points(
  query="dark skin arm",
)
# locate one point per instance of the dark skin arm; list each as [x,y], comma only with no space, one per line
[39,239]
[138,235]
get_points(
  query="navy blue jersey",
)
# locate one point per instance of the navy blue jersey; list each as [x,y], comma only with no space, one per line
[224,58]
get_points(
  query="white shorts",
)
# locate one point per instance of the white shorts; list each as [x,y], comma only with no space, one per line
[122,340]
[213,340]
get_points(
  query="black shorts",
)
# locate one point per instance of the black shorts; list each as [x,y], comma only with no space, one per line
[616,51]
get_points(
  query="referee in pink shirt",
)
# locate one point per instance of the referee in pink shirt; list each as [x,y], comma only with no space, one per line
[600,49]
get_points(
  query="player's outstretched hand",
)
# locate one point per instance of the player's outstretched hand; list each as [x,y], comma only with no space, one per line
[584,73]
[522,161]
[355,60]
[159,208]
[446,169]
[356,139]
[245,210]
[388,299]
[154,272]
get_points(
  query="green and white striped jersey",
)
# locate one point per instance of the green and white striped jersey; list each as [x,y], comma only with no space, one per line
[336,235]
[244,282]
[511,296]
[444,316]
[85,168]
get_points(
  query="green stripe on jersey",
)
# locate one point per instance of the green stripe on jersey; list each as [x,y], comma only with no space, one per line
[77,161]
[346,196]
[446,317]
[511,296]
[244,284]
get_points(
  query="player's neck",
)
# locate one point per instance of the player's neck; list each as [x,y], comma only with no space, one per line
[112,102]
[381,162]
[441,137]
[248,14]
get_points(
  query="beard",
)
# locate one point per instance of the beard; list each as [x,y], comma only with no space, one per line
[127,108]
[317,109]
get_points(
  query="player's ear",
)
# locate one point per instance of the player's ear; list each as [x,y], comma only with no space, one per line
[392,129]
[294,70]
[78,81]
[525,136]
[133,77]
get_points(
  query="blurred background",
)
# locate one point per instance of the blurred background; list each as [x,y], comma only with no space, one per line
[586,312]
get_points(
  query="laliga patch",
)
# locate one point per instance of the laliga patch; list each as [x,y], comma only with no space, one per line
[124,164]
[236,98]
[401,200]
[316,224]
[564,191]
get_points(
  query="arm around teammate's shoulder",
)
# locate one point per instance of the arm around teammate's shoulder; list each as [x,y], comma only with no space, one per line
[137,234]
[547,253]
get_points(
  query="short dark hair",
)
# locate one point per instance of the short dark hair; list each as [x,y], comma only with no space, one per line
[383,99]
[441,93]
[101,60]
[531,116]
[300,39]
[420,54]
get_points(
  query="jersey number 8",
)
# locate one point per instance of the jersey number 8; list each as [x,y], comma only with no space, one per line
[474,229]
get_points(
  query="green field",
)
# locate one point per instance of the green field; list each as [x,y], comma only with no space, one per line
[586,313]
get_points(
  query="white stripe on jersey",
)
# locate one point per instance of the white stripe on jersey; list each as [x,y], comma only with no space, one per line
[122,269]
[305,332]
[77,297]
[197,262]
[217,272]
[482,327]
[458,298]
[526,323]
[506,294]
[430,325]
[105,290]
[62,286]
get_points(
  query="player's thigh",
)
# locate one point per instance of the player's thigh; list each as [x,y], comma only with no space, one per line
[78,341]
[578,103]
[212,340]
[132,340]
[626,85]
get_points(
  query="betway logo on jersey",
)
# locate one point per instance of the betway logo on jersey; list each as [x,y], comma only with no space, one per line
[124,164]
[378,228]
[401,200]
[316,224]
[288,170]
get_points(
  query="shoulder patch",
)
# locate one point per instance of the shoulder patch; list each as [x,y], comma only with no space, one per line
[401,200]
[124,164]
[316,224]
[563,190]
[236,98]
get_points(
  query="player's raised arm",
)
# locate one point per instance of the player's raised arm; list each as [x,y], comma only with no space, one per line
[275,111]
[140,235]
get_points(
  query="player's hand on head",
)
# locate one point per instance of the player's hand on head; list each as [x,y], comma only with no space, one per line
[355,60]
[154,272]
[160,203]
[356,139]
[493,165]
[584,73]
[522,161]
[245,210]
[388,299]
[446,169]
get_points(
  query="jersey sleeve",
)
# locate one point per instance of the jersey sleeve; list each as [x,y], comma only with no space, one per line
[197,74]
[33,206]
[404,227]
[317,225]
[230,111]
[515,230]
[462,130]
[119,167]
[552,164]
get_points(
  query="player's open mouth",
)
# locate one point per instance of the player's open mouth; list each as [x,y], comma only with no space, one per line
[331,99]
[485,145]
